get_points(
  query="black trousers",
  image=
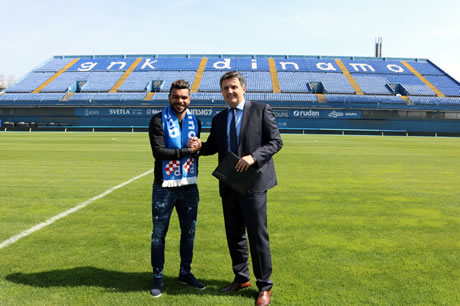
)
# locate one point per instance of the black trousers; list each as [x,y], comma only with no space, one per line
[248,213]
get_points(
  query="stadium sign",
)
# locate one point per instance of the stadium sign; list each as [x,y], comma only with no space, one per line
[323,114]
[118,112]
[344,114]
[306,113]
[135,112]
[247,64]
[281,113]
[203,111]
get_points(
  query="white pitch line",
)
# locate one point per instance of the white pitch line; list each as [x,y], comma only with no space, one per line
[68,212]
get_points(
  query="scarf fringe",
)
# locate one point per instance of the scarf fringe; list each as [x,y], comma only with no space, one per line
[180,182]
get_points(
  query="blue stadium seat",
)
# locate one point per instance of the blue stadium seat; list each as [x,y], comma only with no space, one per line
[417,100]
[206,96]
[82,97]
[372,84]
[138,80]
[67,79]
[135,96]
[210,81]
[297,81]
[101,81]
[30,82]
[161,96]
[363,99]
[425,68]
[375,66]
[32,98]
[445,84]
[258,81]
[53,65]
[412,84]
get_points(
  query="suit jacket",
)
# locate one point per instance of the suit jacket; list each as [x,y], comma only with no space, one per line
[259,136]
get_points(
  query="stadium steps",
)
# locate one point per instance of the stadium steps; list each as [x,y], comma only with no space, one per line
[54,76]
[67,97]
[321,98]
[149,96]
[199,75]
[423,79]
[350,78]
[274,76]
[125,76]
[406,100]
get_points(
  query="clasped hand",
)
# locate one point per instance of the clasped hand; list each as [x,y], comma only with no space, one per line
[194,143]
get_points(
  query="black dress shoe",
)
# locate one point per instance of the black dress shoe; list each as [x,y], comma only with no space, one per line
[235,286]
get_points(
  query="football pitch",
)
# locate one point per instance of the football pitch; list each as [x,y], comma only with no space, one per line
[354,220]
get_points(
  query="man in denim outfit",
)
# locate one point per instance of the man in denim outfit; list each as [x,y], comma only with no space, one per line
[174,183]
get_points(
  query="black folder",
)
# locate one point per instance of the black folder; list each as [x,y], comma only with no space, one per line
[240,182]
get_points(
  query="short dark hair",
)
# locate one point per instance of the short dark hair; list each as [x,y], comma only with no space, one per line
[180,84]
[231,75]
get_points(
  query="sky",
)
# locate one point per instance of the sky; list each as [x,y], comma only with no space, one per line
[34,31]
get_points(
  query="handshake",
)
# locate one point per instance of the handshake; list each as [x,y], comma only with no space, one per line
[194,143]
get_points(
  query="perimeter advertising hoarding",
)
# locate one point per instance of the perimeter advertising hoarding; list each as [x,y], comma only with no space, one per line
[210,112]
[135,112]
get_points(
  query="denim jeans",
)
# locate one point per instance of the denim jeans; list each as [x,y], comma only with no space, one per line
[164,199]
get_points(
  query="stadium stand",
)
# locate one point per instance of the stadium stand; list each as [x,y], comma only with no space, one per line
[138,81]
[32,81]
[371,84]
[288,83]
[445,84]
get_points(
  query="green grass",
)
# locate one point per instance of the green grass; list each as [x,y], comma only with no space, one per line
[354,220]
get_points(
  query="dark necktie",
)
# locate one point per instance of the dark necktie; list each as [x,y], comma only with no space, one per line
[233,138]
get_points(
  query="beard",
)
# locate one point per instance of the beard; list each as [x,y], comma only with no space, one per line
[179,108]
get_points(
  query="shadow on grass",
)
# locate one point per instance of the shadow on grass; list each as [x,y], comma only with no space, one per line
[116,281]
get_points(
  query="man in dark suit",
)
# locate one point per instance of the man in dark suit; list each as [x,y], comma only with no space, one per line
[249,130]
